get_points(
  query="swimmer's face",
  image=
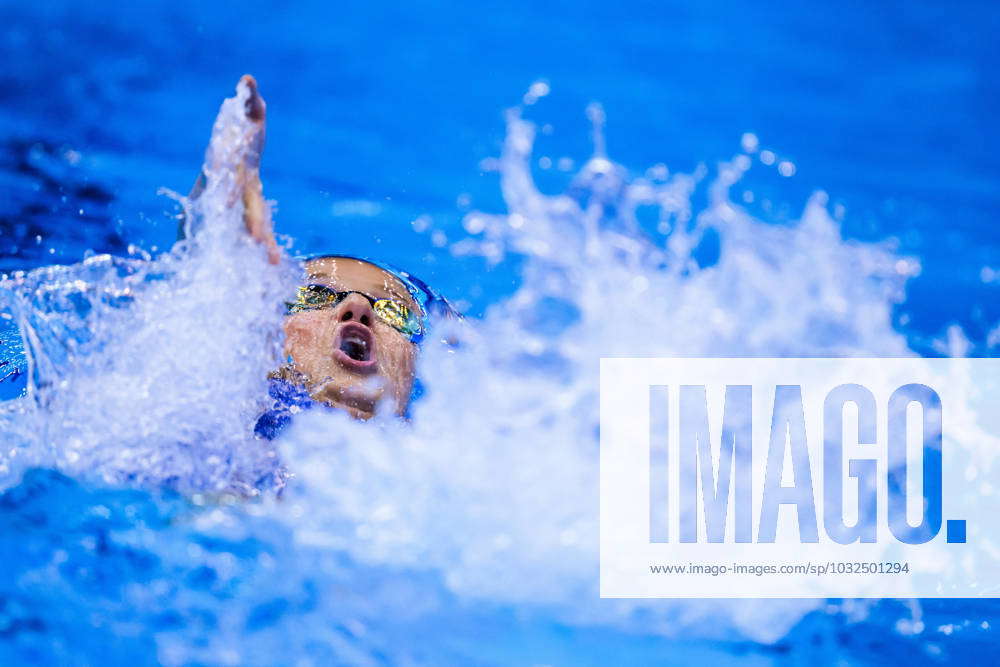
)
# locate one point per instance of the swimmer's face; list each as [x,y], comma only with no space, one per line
[350,357]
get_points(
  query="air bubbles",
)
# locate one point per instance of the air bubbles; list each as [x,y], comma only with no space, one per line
[565,164]
[362,208]
[521,143]
[786,168]
[907,267]
[545,162]
[749,142]
[600,165]
[947,628]
[767,157]
[489,164]
[493,253]
[595,113]
[474,224]
[421,224]
[536,91]
[906,627]
[658,172]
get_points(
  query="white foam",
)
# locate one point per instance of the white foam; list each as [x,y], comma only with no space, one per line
[152,371]
[494,484]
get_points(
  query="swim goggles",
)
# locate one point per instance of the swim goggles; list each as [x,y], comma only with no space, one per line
[397,315]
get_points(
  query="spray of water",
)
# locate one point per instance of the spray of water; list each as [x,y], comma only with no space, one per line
[153,371]
[150,371]
[495,482]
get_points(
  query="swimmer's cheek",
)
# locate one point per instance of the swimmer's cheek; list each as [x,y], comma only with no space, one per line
[299,335]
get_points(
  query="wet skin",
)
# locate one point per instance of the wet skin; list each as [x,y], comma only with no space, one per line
[345,354]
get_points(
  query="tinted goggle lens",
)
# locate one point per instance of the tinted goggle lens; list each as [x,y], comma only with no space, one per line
[397,315]
[314,296]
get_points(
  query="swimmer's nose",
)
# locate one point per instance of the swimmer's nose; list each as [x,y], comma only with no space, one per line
[355,308]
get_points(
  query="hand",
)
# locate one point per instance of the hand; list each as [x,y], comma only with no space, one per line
[256,211]
[232,163]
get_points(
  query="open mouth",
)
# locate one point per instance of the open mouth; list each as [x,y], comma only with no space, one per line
[355,347]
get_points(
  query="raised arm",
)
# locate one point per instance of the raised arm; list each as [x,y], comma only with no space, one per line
[232,163]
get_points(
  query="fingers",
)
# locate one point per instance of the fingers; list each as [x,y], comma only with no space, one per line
[256,211]
[255,111]
[231,171]
[254,107]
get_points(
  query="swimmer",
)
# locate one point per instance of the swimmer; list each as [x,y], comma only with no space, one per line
[353,329]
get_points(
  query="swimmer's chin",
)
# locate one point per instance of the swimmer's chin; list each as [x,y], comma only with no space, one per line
[361,414]
[358,403]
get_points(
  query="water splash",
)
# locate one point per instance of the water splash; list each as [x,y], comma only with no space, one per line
[151,372]
[507,436]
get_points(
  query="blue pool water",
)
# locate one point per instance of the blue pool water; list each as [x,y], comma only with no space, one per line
[119,541]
